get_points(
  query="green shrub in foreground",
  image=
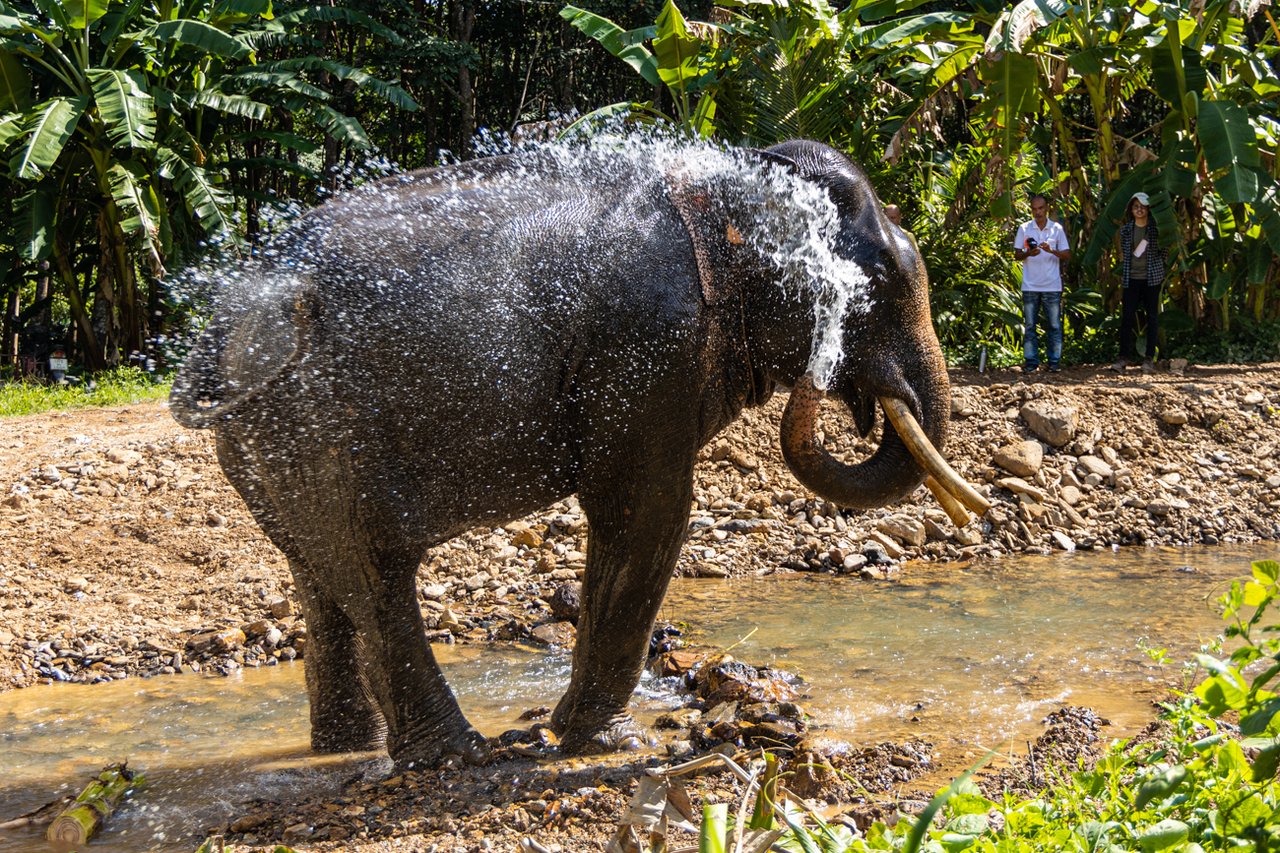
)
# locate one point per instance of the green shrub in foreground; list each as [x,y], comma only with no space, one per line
[117,387]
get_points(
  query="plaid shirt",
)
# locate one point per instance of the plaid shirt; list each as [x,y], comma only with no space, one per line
[1155,253]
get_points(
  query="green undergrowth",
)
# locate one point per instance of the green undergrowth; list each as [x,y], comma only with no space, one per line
[1207,783]
[117,387]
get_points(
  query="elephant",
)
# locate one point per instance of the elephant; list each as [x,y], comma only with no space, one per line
[463,345]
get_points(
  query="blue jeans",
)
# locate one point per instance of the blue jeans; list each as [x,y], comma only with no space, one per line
[1031,303]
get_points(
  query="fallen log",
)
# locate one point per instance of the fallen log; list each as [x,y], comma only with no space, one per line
[84,817]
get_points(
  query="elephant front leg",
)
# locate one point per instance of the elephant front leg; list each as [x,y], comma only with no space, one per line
[636,534]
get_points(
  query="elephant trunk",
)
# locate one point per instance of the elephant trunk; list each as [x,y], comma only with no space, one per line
[907,453]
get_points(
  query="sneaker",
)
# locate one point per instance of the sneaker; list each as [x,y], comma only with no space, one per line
[1055,368]
[1030,368]
[1120,365]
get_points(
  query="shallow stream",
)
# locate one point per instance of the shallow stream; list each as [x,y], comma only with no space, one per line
[968,656]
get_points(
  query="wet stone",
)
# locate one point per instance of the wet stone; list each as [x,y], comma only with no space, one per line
[554,634]
[216,641]
[566,602]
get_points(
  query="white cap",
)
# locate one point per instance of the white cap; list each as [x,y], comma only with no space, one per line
[1142,197]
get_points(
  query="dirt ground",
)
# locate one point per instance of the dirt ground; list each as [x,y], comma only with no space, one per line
[126,553]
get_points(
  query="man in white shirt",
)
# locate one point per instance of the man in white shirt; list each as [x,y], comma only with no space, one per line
[1041,244]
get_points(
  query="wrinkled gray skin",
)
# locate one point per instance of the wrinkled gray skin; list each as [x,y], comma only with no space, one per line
[470,344]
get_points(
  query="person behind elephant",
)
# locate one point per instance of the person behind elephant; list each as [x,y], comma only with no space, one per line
[893,213]
[1143,262]
[1041,244]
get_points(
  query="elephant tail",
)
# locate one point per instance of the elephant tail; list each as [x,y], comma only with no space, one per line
[240,355]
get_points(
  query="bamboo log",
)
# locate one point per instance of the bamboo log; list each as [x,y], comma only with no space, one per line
[84,817]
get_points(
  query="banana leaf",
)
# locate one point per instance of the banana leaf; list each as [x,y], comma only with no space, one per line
[126,109]
[615,40]
[50,127]
[1229,144]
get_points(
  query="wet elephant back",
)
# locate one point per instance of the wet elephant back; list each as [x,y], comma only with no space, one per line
[452,321]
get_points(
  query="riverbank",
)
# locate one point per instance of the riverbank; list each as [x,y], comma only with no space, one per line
[129,554]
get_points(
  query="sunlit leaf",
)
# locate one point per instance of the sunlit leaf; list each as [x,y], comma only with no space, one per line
[126,108]
[612,38]
[12,125]
[51,126]
[236,105]
[1160,785]
[1265,571]
[135,198]
[341,127]
[207,201]
[200,35]
[1229,143]
[676,49]
[81,13]
[1164,834]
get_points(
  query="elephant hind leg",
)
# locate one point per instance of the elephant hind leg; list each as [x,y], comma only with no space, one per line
[371,675]
[424,722]
[345,716]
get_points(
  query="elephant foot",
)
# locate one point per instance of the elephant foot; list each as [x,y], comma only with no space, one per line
[619,734]
[464,746]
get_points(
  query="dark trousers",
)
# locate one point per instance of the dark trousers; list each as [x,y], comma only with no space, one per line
[1139,294]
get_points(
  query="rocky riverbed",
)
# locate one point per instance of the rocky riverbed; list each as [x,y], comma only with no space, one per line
[128,554]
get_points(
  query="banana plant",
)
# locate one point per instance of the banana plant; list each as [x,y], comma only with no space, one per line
[676,58]
[119,126]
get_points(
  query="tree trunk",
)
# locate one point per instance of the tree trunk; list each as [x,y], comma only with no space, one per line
[462,23]
[90,350]
[9,336]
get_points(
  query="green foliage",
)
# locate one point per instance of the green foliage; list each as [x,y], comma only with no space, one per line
[676,59]
[1098,101]
[126,131]
[116,387]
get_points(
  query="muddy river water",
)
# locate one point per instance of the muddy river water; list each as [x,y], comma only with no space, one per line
[969,656]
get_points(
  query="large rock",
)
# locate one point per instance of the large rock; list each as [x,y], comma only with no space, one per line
[1053,422]
[907,530]
[1022,458]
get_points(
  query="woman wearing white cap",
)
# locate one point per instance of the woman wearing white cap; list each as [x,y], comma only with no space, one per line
[1143,272]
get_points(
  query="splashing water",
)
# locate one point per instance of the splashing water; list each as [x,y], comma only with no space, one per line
[790,223]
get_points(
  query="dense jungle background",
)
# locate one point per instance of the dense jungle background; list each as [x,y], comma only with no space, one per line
[139,136]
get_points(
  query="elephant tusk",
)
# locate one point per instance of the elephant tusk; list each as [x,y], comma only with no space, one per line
[955,510]
[930,459]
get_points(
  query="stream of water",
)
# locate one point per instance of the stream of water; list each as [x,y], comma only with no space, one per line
[969,656]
